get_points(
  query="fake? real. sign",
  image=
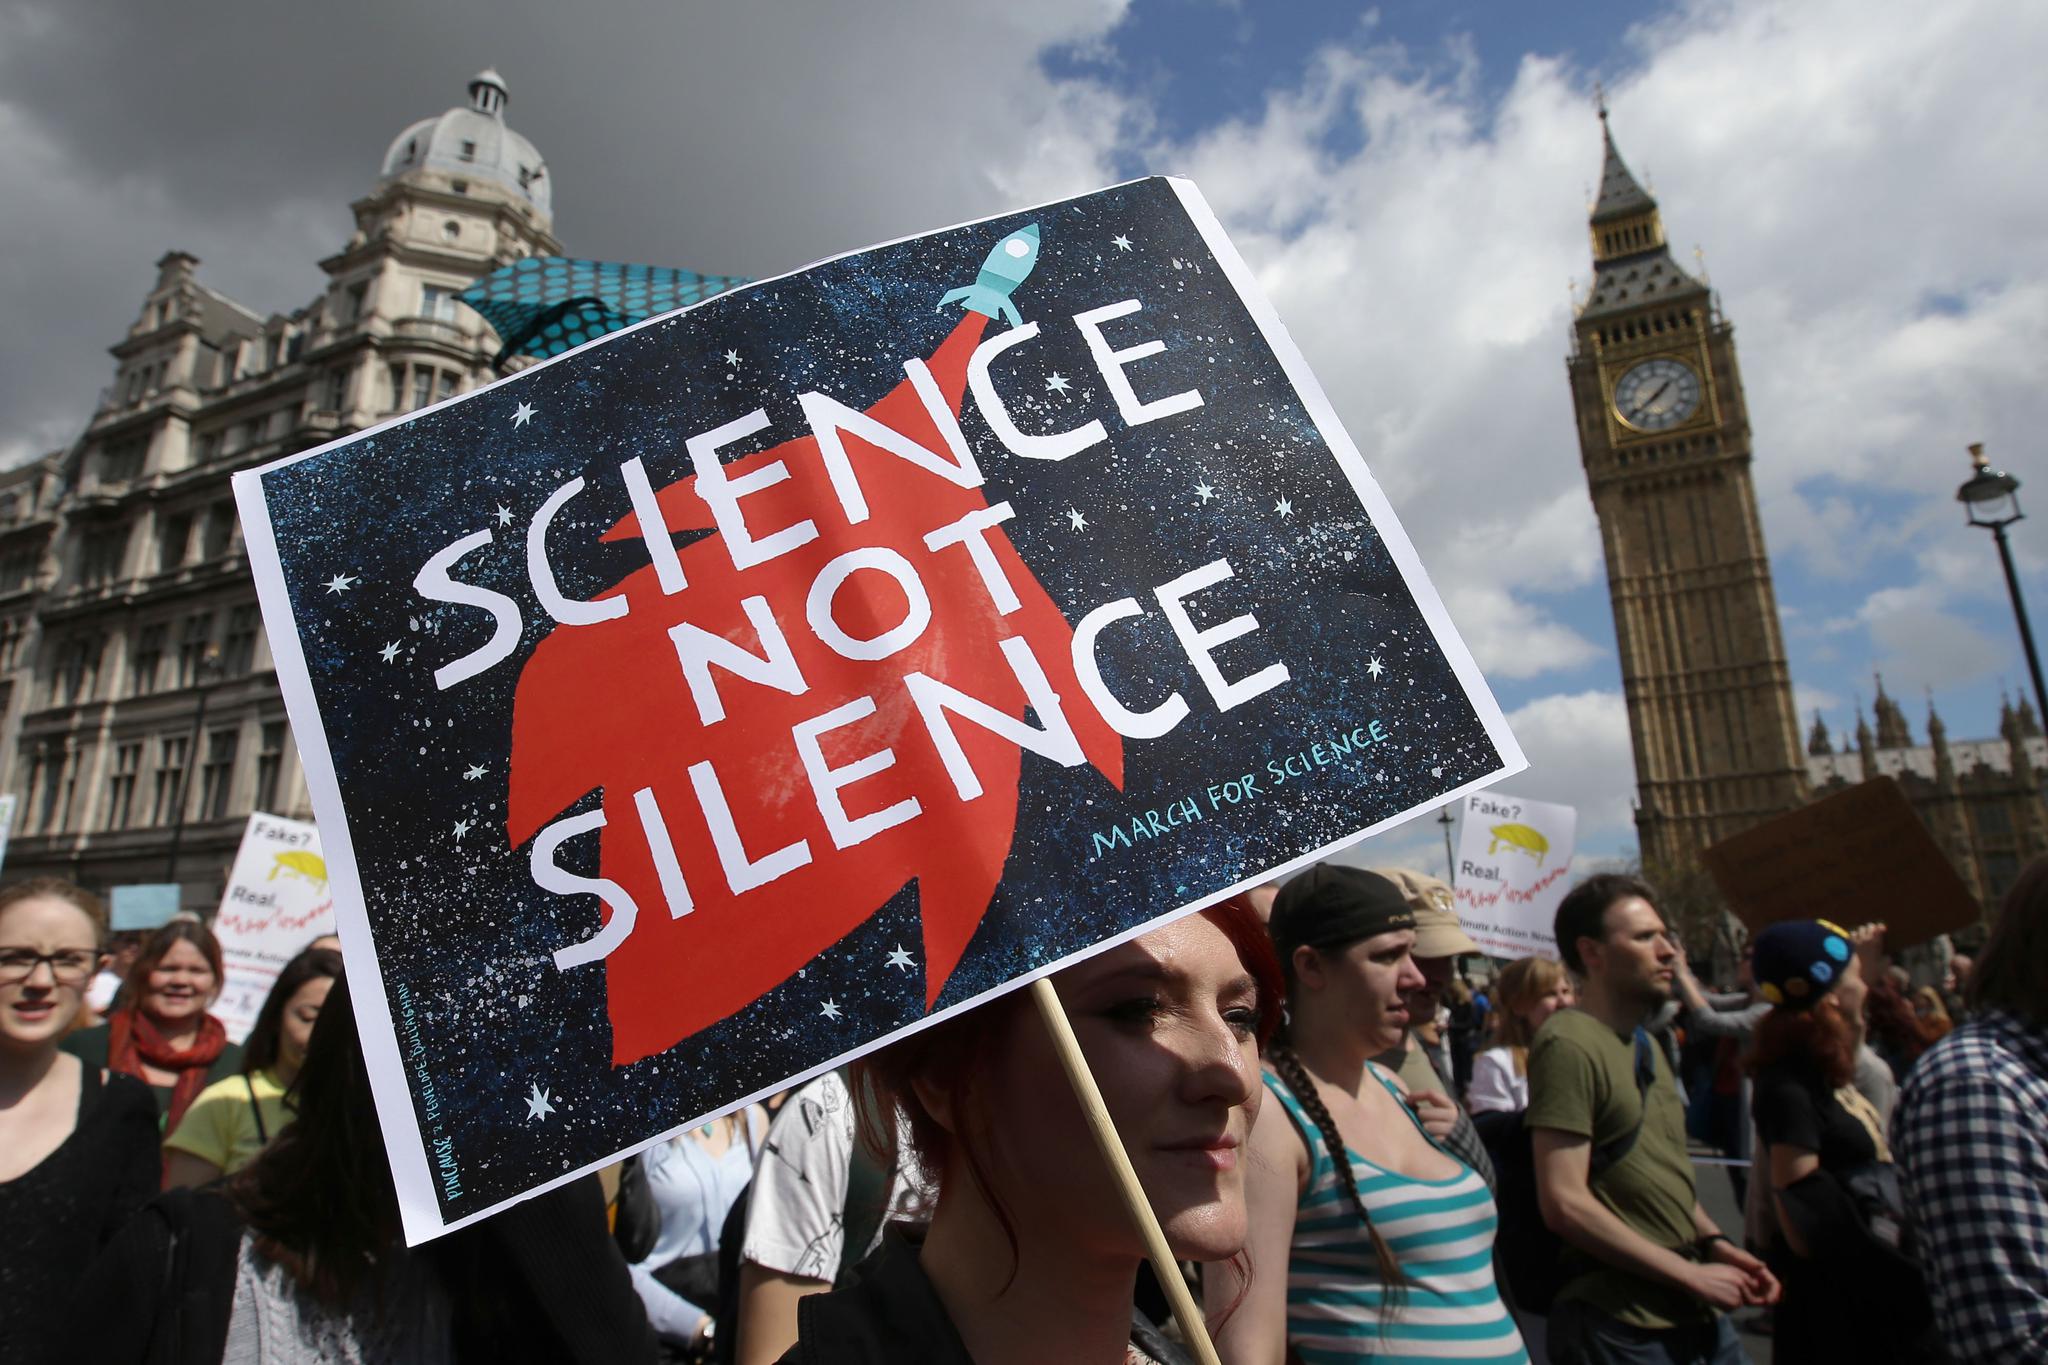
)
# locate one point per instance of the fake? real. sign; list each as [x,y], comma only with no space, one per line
[702,708]
[275,904]
[1514,866]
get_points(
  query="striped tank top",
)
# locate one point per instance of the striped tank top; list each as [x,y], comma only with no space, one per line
[1442,1232]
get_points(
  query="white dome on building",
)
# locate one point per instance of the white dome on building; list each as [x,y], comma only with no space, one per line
[474,144]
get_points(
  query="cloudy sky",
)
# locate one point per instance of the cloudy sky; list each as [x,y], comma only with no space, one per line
[1410,181]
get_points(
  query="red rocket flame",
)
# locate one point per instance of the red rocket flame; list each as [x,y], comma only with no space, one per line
[606,706]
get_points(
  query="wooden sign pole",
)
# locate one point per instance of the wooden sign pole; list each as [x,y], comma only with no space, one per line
[1111,1146]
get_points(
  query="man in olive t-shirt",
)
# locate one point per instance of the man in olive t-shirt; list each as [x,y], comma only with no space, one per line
[1657,1274]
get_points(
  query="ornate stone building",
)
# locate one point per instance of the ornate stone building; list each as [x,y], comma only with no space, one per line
[1664,436]
[1982,798]
[142,719]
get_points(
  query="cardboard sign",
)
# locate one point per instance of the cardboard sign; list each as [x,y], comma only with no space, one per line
[702,707]
[1514,866]
[1856,856]
[276,903]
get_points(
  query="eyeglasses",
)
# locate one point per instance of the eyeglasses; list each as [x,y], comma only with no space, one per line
[70,967]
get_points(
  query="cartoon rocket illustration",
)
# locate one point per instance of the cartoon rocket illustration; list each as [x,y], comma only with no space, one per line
[1005,269]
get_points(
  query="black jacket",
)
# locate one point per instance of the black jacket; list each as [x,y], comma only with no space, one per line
[541,1282]
[891,1315]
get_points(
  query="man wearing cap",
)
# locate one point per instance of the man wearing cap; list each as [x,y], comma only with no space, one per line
[1653,1277]
[1440,940]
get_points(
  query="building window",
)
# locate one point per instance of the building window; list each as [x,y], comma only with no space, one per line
[238,650]
[337,391]
[220,529]
[49,767]
[1993,817]
[170,779]
[148,660]
[121,785]
[437,303]
[99,559]
[422,388]
[397,389]
[17,570]
[176,542]
[217,776]
[193,647]
[358,300]
[269,765]
[452,230]
[449,379]
[209,447]
[122,462]
[230,361]
[12,633]
[78,670]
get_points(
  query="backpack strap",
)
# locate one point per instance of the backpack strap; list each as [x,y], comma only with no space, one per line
[1607,1157]
[262,1129]
[869,1176]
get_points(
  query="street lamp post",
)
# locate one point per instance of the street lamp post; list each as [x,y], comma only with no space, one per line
[1450,861]
[1990,500]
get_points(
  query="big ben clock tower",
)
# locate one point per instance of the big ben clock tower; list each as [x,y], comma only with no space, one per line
[1665,439]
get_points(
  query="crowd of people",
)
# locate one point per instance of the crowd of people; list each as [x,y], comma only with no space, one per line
[1361,1142]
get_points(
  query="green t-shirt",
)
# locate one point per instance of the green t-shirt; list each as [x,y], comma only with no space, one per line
[1582,1081]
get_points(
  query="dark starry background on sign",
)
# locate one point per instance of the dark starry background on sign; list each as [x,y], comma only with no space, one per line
[458,923]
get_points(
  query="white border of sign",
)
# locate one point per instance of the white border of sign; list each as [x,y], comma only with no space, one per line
[411,1170]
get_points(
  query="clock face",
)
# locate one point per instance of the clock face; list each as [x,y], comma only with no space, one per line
[1657,394]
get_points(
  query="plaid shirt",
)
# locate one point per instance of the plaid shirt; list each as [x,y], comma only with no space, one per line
[1971,1137]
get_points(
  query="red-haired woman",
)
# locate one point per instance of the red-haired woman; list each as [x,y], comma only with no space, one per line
[1852,1288]
[163,1034]
[1030,1256]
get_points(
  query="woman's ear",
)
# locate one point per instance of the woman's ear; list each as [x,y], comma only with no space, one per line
[1308,967]
[936,1099]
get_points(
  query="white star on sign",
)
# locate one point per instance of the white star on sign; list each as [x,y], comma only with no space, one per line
[342,582]
[472,772]
[504,515]
[461,828]
[389,652]
[830,1009]
[1058,383]
[1204,492]
[732,357]
[537,1106]
[1121,242]
[521,415]
[901,960]
[1079,522]
[1375,667]
[1284,508]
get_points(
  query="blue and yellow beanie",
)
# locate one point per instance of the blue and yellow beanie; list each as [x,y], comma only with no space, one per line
[1799,961]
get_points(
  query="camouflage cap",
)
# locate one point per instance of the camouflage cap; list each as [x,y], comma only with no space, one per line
[1438,931]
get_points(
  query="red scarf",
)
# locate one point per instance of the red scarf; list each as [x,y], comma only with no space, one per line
[132,1039]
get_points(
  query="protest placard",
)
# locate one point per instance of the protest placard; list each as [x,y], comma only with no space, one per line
[700,708]
[1859,855]
[143,906]
[276,903]
[1514,866]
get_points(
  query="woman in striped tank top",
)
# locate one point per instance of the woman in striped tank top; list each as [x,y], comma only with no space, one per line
[1368,1240]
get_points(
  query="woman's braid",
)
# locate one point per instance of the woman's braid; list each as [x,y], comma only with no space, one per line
[1290,1069]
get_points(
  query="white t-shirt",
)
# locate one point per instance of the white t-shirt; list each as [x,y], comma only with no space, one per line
[795,1213]
[1496,1089]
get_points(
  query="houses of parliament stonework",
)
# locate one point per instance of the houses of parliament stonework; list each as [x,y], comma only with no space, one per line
[140,719]
[1665,439]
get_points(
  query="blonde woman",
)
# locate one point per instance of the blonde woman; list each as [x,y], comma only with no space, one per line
[1527,992]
